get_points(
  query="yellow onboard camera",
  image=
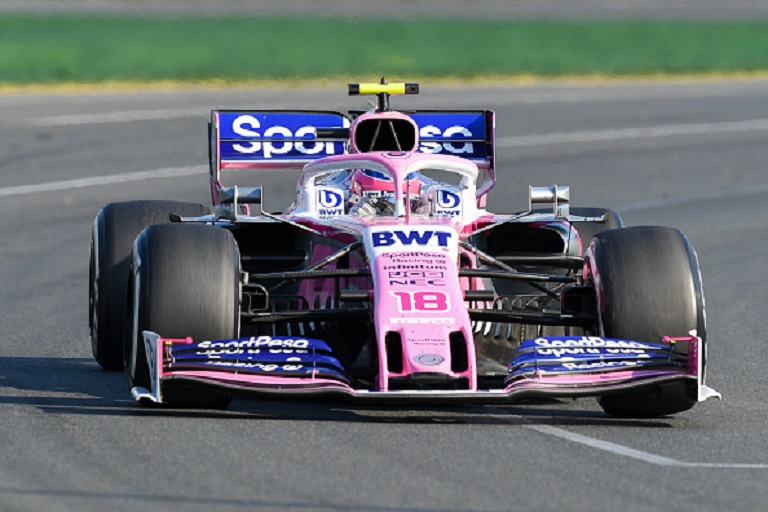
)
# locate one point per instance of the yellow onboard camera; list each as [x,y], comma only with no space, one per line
[383,90]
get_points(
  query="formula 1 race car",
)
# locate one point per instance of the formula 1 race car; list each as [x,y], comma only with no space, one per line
[387,280]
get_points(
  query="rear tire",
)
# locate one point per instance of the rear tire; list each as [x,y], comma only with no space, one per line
[114,230]
[588,229]
[186,282]
[648,286]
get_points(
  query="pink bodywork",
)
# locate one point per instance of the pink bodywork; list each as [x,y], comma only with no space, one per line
[423,311]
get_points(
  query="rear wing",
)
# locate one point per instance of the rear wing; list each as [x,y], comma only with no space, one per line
[289,139]
[469,134]
[271,139]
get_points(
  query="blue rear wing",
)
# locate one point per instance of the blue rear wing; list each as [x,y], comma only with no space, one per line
[469,134]
[263,139]
[289,139]
[272,139]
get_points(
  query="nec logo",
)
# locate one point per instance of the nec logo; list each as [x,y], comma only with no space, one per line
[410,237]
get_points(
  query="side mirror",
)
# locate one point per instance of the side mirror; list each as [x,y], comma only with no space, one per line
[558,197]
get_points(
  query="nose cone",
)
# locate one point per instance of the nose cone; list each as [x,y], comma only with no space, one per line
[422,325]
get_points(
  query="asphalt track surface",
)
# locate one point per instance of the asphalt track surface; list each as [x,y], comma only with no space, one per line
[691,155]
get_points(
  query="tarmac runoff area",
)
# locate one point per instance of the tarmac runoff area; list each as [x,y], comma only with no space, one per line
[689,155]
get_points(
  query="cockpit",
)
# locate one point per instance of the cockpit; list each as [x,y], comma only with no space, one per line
[390,184]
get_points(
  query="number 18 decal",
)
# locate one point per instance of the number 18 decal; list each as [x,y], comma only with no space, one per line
[421,301]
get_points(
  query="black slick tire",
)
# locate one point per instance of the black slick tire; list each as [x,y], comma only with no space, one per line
[648,285]
[114,230]
[185,283]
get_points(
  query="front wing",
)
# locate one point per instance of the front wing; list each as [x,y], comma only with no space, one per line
[545,367]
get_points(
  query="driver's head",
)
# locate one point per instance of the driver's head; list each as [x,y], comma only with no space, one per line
[370,183]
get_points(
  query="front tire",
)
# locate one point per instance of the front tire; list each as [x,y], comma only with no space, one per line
[114,230]
[185,282]
[648,286]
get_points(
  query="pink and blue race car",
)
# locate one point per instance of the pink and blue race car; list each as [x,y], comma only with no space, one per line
[387,280]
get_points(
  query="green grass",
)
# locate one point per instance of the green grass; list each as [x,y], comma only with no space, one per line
[49,49]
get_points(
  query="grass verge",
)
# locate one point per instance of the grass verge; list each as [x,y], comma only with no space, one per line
[52,49]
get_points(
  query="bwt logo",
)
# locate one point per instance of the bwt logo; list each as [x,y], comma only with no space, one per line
[247,125]
[388,238]
[447,199]
[455,148]
[330,198]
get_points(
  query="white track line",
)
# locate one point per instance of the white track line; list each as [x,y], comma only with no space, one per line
[605,446]
[631,453]
[126,116]
[632,133]
[506,142]
[650,132]
[733,193]
[618,449]
[53,186]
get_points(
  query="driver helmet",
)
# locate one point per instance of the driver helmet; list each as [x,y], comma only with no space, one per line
[376,184]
